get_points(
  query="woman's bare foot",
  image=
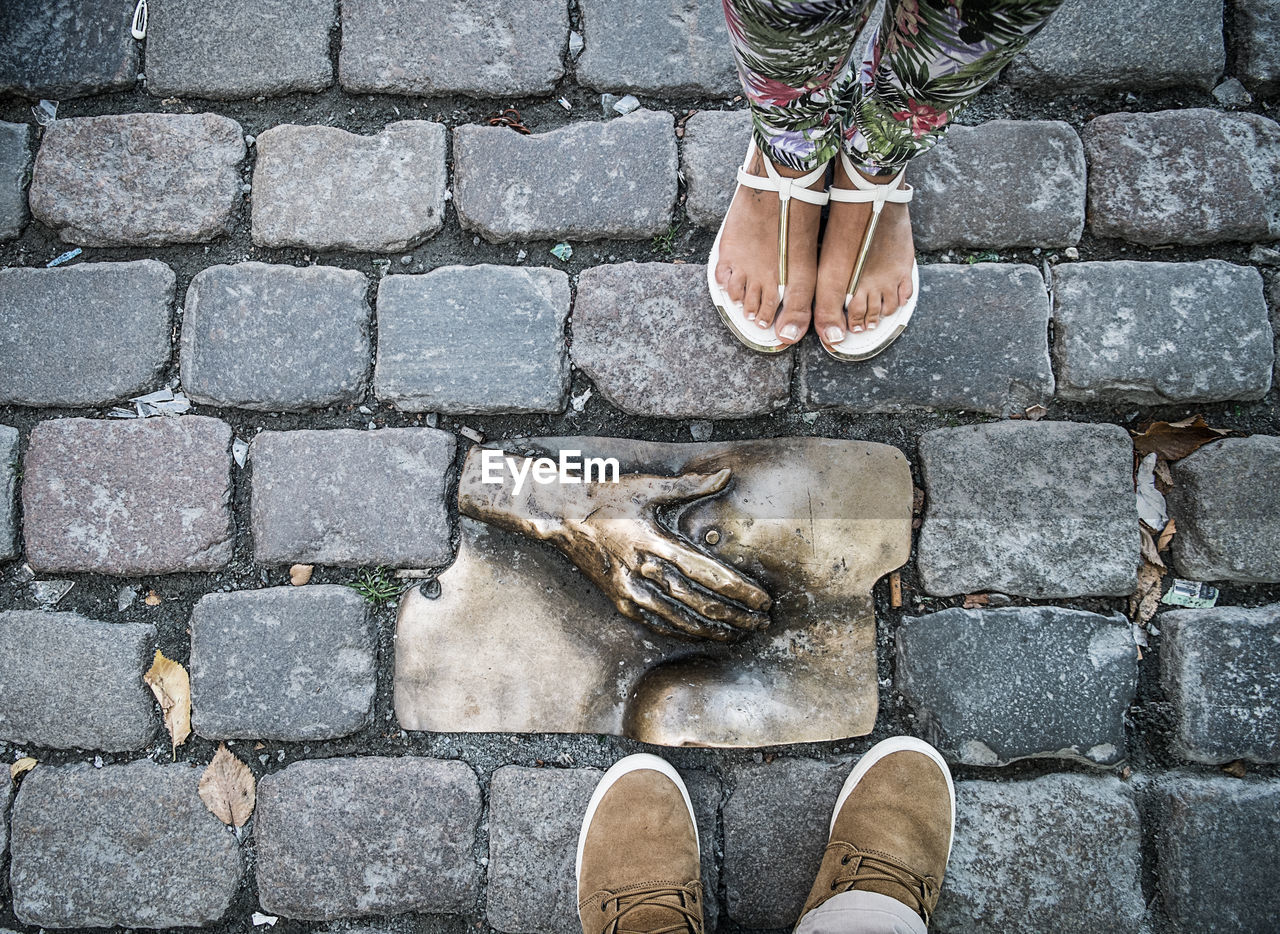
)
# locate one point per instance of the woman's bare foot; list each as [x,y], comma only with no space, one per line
[886,278]
[748,267]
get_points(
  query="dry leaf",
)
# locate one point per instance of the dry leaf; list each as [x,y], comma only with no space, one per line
[1174,440]
[227,788]
[300,574]
[152,599]
[1236,769]
[172,687]
[1164,476]
[917,500]
[1150,553]
[21,767]
[974,600]
[1036,412]
[1166,536]
[1146,599]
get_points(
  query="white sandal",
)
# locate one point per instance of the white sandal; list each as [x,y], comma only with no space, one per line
[865,344]
[750,333]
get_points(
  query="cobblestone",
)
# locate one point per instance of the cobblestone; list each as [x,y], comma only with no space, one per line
[1137,332]
[1039,509]
[322,188]
[994,686]
[8,493]
[201,48]
[285,663]
[42,654]
[1220,668]
[665,47]
[278,338]
[138,179]
[129,845]
[535,817]
[484,49]
[338,497]
[983,346]
[1015,843]
[66,48]
[404,830]
[474,339]
[775,829]
[1216,871]
[1183,176]
[84,335]
[1224,503]
[513,187]
[15,159]
[623,320]
[710,160]
[149,496]
[1148,45]
[1257,44]
[1003,183]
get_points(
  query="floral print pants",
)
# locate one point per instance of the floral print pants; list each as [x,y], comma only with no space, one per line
[811,90]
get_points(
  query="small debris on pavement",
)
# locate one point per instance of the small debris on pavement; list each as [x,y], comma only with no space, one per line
[1194,594]
[1231,93]
[45,112]
[300,574]
[627,105]
[606,104]
[576,44]
[1175,440]
[563,102]
[152,599]
[259,919]
[227,788]
[1236,769]
[701,430]
[974,600]
[48,593]
[21,767]
[125,597]
[239,451]
[562,252]
[171,685]
[63,258]
[160,402]
[510,118]
[1035,412]
[579,402]
[1151,505]
[895,589]
[471,434]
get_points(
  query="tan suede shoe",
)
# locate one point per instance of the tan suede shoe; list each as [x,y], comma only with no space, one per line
[638,865]
[892,827]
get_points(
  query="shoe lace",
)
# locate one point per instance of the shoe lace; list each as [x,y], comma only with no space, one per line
[680,900]
[859,866]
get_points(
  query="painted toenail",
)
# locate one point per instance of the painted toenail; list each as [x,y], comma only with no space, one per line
[871,325]
[751,316]
[790,332]
[834,335]
[857,328]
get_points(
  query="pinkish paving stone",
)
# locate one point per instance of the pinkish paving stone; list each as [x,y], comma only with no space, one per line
[139,179]
[147,496]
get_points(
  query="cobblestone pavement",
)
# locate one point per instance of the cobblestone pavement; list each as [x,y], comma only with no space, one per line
[279,211]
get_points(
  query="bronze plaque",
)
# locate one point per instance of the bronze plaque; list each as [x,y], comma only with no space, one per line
[711,594]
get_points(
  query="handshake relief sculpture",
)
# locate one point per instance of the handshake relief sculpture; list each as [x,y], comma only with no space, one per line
[704,594]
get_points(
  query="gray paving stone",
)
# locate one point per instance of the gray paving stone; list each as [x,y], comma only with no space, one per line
[1137,332]
[1221,670]
[624,318]
[1093,46]
[1215,853]
[714,144]
[6,797]
[403,924]
[482,49]
[1224,502]
[15,161]
[70,682]
[994,686]
[585,181]
[138,179]
[534,819]
[202,48]
[404,828]
[1017,844]
[130,845]
[66,48]
[8,492]
[1257,44]
[286,663]
[343,497]
[978,343]
[278,338]
[666,47]
[84,335]
[322,188]
[1039,509]
[1183,176]
[1002,183]
[150,496]
[775,829]
[474,339]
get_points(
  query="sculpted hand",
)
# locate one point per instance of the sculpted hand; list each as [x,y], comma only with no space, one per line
[612,532]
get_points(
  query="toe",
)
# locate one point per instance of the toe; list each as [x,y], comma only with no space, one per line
[793,321]
[875,308]
[768,304]
[857,311]
[737,285]
[751,304]
[904,291]
[722,272]
[828,320]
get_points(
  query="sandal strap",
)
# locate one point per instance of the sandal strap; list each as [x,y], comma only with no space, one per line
[786,187]
[865,191]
